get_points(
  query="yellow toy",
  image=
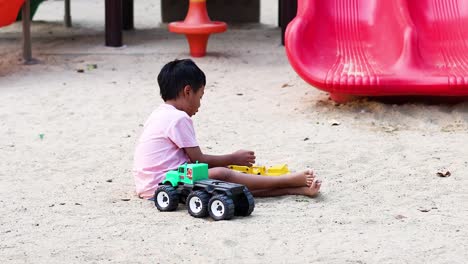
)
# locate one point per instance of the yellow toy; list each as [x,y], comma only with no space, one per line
[276,170]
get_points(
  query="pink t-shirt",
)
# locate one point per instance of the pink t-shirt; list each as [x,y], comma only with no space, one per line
[160,147]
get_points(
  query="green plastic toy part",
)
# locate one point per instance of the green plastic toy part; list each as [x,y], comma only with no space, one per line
[187,174]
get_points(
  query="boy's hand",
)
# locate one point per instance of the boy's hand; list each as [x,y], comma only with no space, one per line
[243,158]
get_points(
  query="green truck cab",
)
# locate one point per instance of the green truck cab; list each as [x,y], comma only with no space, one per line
[190,184]
[187,174]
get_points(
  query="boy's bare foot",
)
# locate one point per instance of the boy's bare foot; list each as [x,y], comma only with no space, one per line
[310,176]
[311,190]
[304,178]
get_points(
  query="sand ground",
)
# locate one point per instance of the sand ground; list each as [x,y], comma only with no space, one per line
[68,197]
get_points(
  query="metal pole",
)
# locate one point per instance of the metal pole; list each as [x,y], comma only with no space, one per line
[67,17]
[113,23]
[26,16]
[127,9]
[287,12]
[280,12]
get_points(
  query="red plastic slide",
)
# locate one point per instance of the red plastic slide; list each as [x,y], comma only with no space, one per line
[9,10]
[381,47]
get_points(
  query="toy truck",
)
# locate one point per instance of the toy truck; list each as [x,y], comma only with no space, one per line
[276,170]
[189,184]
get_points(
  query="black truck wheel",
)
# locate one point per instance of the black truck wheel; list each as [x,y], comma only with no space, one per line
[197,203]
[246,204]
[221,207]
[166,198]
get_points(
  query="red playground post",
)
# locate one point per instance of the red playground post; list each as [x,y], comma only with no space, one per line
[197,27]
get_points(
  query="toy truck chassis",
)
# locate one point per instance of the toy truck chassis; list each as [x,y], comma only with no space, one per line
[221,200]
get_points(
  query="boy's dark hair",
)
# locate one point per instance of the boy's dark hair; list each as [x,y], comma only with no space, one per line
[175,75]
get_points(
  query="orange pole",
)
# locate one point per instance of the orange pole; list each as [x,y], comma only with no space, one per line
[197,44]
[197,12]
[197,27]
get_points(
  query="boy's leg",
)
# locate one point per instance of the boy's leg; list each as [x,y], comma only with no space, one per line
[311,191]
[258,182]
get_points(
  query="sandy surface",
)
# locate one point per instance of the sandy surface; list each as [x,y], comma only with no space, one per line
[68,197]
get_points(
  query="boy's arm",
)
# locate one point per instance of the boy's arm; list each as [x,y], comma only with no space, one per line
[240,157]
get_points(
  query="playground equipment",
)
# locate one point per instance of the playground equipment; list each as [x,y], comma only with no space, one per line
[34,6]
[197,27]
[380,47]
[190,185]
[9,10]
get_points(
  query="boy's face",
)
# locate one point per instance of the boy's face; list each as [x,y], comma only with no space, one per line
[194,99]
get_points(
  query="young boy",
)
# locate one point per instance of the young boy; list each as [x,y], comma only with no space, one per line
[168,140]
